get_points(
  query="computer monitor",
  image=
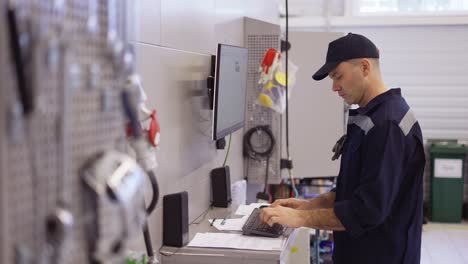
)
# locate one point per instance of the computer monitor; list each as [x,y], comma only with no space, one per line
[230,88]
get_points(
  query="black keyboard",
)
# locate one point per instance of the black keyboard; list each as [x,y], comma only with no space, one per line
[255,227]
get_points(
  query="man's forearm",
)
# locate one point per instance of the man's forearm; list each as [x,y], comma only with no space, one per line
[326,200]
[325,219]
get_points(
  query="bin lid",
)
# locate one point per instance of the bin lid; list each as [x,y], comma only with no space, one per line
[448,148]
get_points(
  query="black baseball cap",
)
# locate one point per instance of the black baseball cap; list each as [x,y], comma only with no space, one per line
[351,46]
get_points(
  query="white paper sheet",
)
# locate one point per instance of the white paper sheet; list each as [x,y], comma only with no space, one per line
[238,241]
[234,224]
[239,192]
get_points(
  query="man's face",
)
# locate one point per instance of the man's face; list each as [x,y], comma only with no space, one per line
[348,82]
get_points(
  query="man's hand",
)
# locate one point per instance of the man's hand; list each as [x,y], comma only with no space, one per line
[283,215]
[324,218]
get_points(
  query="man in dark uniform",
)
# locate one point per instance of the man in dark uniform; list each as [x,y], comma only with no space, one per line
[375,210]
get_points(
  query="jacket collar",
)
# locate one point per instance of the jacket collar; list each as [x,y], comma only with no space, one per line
[378,100]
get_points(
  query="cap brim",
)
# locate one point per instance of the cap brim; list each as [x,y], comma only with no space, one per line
[324,70]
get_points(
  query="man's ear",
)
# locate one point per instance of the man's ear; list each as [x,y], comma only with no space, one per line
[365,67]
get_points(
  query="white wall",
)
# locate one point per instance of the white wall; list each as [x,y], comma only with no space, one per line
[316,114]
[176,40]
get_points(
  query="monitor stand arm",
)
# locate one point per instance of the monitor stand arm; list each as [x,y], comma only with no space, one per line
[210,90]
[210,81]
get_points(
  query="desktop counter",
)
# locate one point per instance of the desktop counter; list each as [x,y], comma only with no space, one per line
[295,249]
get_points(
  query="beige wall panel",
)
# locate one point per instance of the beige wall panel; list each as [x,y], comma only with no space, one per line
[316,113]
[150,22]
[188,25]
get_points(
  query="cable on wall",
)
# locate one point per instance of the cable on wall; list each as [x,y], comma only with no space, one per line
[256,148]
[289,160]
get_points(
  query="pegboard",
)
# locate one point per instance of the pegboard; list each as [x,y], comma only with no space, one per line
[76,86]
[259,37]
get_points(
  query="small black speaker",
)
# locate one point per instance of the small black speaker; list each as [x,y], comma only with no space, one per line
[221,187]
[175,219]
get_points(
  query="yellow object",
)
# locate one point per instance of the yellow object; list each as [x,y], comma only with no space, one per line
[280,77]
[269,86]
[294,249]
[265,100]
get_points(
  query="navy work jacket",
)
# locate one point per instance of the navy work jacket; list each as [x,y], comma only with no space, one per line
[379,192]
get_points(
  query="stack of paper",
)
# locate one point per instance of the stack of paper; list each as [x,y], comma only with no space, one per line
[238,241]
[239,192]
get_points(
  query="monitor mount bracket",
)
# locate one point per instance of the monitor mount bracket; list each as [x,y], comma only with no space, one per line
[210,81]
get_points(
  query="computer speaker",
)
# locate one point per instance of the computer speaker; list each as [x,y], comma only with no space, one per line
[221,187]
[175,219]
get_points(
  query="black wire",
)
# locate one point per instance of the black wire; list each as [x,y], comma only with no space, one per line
[25,91]
[287,94]
[154,186]
[148,244]
[149,210]
[202,214]
[266,175]
[287,82]
[249,150]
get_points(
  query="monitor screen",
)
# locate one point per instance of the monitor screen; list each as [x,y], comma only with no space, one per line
[230,89]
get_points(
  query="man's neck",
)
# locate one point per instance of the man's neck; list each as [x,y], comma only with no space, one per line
[375,89]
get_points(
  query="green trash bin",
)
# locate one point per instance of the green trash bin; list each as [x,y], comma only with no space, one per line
[447,167]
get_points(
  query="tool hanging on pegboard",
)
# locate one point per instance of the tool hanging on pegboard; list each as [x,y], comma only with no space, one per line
[143,133]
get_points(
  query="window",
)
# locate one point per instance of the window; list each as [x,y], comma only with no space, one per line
[411,7]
